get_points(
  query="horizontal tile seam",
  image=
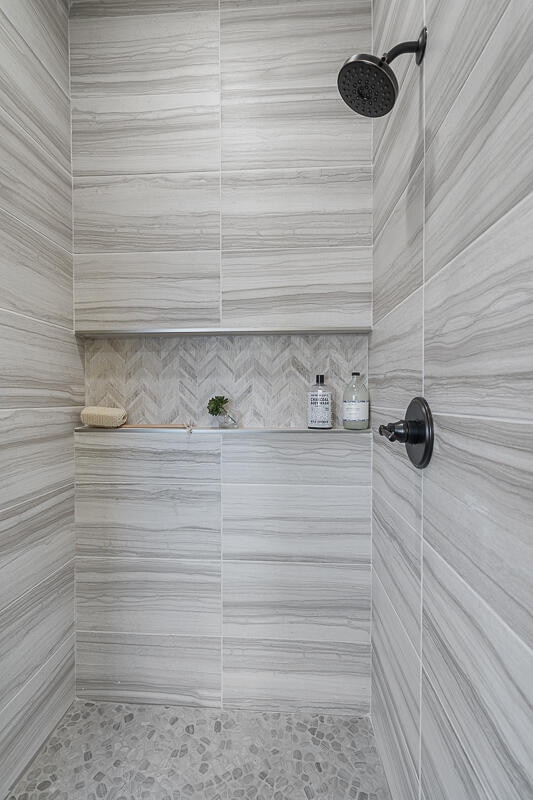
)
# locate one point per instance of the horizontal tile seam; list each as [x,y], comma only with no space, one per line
[277,249]
[481,600]
[37,58]
[70,641]
[50,158]
[475,242]
[37,319]
[38,233]
[261,170]
[38,498]
[94,632]
[506,420]
[395,512]
[221,638]
[463,744]
[24,594]
[215,560]
[399,621]
[78,15]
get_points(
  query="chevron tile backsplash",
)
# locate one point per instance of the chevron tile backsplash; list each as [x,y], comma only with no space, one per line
[163,380]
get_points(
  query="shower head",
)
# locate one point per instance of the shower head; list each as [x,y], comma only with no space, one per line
[367,83]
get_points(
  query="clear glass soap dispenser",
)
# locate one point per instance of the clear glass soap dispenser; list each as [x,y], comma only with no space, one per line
[319,405]
[355,404]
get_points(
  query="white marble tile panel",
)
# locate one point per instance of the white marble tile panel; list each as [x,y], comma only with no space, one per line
[36,452]
[312,602]
[326,207]
[150,54]
[396,696]
[393,476]
[315,458]
[146,291]
[40,364]
[296,523]
[30,95]
[146,133]
[152,458]
[396,355]
[479,163]
[36,539]
[296,675]
[160,596]
[33,186]
[136,668]
[33,628]
[170,211]
[148,521]
[44,27]
[28,720]
[479,324]
[36,273]
[478,506]
[315,287]
[481,672]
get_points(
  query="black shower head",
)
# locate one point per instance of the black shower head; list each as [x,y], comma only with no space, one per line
[367,83]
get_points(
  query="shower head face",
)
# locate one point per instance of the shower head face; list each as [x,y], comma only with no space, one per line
[368,85]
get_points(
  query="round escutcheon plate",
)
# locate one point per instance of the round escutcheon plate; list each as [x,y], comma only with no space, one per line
[421,435]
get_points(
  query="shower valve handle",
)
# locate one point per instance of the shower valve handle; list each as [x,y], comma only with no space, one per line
[395,431]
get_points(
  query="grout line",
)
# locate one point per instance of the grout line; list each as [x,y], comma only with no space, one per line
[36,319]
[396,513]
[364,166]
[17,599]
[211,637]
[37,498]
[37,232]
[400,623]
[423,395]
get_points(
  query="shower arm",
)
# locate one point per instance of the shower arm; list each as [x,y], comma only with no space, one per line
[418,47]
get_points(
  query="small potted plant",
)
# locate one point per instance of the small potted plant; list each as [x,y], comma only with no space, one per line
[217,408]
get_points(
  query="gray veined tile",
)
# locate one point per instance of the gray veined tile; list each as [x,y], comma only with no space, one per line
[296,208]
[40,364]
[446,769]
[264,288]
[396,355]
[488,125]
[36,539]
[292,45]
[36,273]
[144,55]
[33,628]
[398,265]
[147,291]
[295,675]
[394,22]
[481,673]
[393,476]
[175,211]
[37,452]
[479,324]
[147,521]
[296,523]
[44,27]
[291,128]
[395,696]
[154,459]
[31,96]
[312,602]
[306,458]
[459,34]
[135,668]
[146,133]
[119,8]
[160,596]
[33,186]
[28,720]
[404,135]
[396,560]
[478,506]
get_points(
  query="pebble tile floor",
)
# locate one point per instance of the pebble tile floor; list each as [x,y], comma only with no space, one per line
[132,752]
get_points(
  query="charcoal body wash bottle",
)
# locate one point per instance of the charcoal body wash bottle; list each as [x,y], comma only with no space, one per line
[319,405]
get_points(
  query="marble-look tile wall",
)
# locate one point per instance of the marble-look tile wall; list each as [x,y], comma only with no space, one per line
[452,694]
[41,381]
[170,379]
[219,180]
[225,568]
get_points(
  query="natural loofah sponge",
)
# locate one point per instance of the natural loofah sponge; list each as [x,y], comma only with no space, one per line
[100,417]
